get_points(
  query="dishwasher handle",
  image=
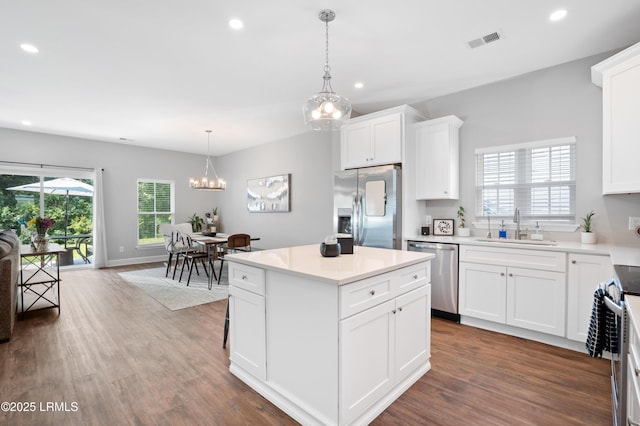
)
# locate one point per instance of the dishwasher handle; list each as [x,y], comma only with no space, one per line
[431,246]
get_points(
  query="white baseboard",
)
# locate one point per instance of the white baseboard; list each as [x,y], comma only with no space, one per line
[548,339]
[136,260]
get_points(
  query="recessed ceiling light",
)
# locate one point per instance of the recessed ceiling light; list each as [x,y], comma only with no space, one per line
[26,123]
[29,48]
[235,23]
[358,85]
[558,15]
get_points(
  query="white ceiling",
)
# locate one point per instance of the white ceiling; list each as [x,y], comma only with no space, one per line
[160,72]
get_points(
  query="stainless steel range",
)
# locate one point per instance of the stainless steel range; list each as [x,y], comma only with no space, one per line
[625,282]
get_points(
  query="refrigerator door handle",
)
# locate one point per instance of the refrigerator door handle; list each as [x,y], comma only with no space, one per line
[360,220]
[354,218]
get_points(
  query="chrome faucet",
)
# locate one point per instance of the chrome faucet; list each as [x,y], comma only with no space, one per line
[516,220]
[489,221]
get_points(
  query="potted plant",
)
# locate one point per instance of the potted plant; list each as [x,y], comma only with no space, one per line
[196,223]
[215,214]
[587,237]
[462,231]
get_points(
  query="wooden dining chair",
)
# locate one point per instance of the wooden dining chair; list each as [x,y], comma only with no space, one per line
[235,243]
[191,255]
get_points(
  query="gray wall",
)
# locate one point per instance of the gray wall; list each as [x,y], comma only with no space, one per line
[308,158]
[550,103]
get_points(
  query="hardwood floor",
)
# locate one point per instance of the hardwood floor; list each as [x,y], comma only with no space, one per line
[125,359]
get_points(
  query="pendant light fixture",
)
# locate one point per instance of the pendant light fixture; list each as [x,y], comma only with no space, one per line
[206,182]
[326,110]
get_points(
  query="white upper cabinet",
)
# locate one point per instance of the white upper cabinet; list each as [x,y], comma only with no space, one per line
[437,159]
[619,77]
[377,138]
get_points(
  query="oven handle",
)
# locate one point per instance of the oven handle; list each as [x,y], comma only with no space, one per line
[613,306]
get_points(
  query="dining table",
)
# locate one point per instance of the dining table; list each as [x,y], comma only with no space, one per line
[211,243]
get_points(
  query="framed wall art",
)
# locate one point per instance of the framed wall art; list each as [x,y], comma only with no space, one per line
[269,194]
[442,226]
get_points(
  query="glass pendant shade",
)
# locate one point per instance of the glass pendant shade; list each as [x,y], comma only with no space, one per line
[207,182]
[326,110]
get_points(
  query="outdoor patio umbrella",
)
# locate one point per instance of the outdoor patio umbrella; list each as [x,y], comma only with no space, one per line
[61,186]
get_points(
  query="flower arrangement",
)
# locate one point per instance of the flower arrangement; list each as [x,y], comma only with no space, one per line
[42,224]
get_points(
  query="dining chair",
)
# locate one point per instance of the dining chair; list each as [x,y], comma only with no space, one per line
[190,256]
[166,229]
[235,243]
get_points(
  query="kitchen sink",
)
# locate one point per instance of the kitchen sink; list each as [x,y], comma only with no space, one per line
[513,241]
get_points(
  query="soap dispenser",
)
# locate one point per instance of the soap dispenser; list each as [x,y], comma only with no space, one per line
[537,233]
[503,232]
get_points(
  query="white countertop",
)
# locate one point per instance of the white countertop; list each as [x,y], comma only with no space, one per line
[620,255]
[307,261]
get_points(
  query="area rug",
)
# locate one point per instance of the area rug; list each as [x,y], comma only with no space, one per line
[176,295]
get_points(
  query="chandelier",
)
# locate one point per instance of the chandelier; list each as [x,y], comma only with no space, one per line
[326,110]
[206,182]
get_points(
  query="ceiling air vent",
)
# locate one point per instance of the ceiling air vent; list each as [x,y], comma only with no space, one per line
[485,39]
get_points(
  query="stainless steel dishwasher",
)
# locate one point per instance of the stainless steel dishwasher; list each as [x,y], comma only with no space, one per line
[444,277]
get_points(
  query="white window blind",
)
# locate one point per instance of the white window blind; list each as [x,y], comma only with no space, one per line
[537,177]
[155,206]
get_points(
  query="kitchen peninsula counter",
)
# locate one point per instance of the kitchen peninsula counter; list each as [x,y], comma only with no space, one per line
[330,340]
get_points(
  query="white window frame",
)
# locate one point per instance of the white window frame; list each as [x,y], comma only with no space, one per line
[518,186]
[138,212]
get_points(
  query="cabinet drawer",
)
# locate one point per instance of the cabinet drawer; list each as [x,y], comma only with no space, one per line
[364,294]
[411,277]
[247,277]
[531,259]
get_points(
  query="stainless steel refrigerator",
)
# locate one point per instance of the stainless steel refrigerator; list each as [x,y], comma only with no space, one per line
[368,205]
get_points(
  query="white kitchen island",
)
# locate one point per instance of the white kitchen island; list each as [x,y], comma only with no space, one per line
[330,340]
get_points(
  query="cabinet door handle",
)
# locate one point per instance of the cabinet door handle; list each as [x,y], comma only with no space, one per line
[637,371]
[400,309]
[510,275]
[244,277]
[574,261]
[393,312]
[372,292]
[502,274]
[415,277]
[446,192]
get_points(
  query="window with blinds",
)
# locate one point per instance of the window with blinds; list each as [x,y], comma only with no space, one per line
[155,206]
[537,177]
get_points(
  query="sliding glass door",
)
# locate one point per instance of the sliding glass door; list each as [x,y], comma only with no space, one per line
[64,196]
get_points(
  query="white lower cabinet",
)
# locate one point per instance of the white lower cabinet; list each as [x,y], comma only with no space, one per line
[247,326]
[393,338]
[536,300]
[525,298]
[532,298]
[483,291]
[368,335]
[585,272]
